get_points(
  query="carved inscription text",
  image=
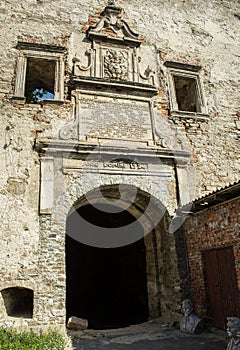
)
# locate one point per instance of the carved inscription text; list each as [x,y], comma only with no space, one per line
[106,117]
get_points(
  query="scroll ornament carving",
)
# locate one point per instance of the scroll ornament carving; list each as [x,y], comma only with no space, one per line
[115,65]
[70,130]
[165,140]
[148,74]
[76,61]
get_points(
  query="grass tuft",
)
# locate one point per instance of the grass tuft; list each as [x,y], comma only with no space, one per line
[10,339]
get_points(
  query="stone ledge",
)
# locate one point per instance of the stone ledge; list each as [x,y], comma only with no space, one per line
[79,149]
[24,45]
[21,100]
[119,85]
[189,115]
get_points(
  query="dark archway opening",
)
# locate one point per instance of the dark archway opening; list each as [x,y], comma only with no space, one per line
[106,286]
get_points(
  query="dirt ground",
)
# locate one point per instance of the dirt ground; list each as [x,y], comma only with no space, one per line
[151,335]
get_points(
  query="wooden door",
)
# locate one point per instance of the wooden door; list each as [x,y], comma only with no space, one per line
[222,286]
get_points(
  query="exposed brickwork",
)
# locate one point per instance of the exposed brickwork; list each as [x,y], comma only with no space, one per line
[211,228]
[202,33]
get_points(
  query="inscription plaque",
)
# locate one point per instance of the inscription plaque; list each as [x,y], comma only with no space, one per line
[114,118]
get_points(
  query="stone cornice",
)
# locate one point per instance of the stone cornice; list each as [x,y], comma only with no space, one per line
[81,149]
[123,86]
[22,45]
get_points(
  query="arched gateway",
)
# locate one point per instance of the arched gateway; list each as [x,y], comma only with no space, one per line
[115,248]
[110,180]
[128,109]
[106,251]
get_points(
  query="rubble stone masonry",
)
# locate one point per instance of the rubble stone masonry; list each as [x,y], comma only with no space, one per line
[200,35]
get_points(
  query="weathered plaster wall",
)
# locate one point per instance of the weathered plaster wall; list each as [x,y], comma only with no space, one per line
[201,33]
[188,31]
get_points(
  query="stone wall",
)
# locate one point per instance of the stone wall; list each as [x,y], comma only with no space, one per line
[187,31]
[197,33]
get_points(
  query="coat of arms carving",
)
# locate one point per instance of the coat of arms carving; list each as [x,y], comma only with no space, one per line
[115,65]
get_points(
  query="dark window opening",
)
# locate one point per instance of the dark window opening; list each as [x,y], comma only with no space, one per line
[40,79]
[18,302]
[106,286]
[187,94]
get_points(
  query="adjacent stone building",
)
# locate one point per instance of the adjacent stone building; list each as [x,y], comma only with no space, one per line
[113,114]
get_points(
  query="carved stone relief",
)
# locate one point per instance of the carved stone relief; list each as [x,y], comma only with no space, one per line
[115,64]
[112,67]
[70,130]
[114,52]
[112,23]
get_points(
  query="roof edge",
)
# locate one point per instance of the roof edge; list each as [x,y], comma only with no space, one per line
[219,196]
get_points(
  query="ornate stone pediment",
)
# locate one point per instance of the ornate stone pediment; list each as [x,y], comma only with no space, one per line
[114,55]
[111,24]
[111,92]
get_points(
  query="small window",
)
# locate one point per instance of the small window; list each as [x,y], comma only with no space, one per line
[18,302]
[40,73]
[40,79]
[185,90]
[186,94]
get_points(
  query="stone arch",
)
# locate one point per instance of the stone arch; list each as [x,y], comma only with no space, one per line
[71,193]
[158,243]
[163,277]
[145,208]
[18,283]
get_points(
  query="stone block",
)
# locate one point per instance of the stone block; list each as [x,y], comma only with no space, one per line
[76,323]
